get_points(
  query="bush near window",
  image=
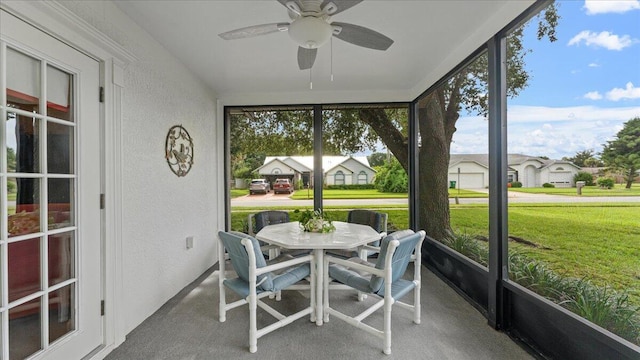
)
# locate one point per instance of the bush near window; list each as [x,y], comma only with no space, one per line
[351,187]
[391,178]
[603,306]
[584,176]
[547,185]
[516,184]
[606,183]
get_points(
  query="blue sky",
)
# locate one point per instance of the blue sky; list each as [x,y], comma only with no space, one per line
[583,87]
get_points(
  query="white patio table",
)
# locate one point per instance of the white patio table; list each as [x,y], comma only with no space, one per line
[291,236]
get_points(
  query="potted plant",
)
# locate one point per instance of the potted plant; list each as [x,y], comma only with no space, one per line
[316,221]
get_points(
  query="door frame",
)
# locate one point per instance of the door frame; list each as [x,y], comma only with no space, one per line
[62,24]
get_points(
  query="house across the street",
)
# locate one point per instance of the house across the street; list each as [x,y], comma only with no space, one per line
[471,171]
[337,170]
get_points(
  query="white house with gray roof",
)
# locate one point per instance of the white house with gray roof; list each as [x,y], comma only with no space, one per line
[337,170]
[471,171]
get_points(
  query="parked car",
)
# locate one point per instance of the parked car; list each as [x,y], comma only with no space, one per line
[282,186]
[259,185]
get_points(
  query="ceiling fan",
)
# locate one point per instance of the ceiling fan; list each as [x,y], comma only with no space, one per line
[311,27]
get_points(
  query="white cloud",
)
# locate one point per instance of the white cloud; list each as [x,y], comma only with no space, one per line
[594,65]
[546,131]
[603,7]
[629,92]
[603,39]
[593,95]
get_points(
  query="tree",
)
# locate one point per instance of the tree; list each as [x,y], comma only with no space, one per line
[353,130]
[623,152]
[377,159]
[437,114]
[584,158]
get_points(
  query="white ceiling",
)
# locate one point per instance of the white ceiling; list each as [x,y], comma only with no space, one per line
[430,38]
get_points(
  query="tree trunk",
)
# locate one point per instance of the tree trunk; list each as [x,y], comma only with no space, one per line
[434,169]
[388,133]
[630,177]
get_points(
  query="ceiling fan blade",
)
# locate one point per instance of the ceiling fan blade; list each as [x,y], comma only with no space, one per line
[306,57]
[341,5]
[362,36]
[256,30]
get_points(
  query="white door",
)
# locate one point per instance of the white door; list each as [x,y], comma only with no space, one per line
[50,244]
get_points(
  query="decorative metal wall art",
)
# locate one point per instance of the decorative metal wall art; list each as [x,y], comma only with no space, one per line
[179,150]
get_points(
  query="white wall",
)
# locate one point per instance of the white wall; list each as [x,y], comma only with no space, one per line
[159,210]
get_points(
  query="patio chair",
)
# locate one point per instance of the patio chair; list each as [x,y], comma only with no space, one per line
[383,280]
[263,218]
[377,220]
[256,280]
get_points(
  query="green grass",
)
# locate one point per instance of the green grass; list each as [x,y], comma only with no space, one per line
[587,191]
[375,194]
[239,192]
[598,241]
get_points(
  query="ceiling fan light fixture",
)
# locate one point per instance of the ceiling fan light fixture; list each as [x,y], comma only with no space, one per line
[310,32]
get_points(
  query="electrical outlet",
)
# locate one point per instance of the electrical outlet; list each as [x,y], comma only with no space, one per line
[189,242]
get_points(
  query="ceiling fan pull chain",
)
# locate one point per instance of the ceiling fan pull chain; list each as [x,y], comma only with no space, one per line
[331,58]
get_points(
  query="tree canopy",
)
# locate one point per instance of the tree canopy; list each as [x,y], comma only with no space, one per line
[347,130]
[585,158]
[623,152]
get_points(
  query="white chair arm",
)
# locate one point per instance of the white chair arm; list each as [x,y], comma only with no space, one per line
[284,264]
[355,266]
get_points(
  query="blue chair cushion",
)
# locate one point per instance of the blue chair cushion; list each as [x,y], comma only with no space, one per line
[240,261]
[400,263]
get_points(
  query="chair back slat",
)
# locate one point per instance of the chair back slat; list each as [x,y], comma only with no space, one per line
[401,257]
[240,259]
[270,217]
[367,217]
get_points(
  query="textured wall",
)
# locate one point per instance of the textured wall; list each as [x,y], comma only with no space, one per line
[159,209]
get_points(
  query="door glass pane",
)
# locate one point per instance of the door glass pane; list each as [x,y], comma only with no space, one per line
[59,90]
[60,204]
[24,329]
[23,81]
[61,312]
[23,140]
[24,268]
[24,206]
[59,149]
[61,257]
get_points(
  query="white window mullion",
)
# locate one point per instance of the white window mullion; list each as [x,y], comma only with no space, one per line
[44,210]
[4,297]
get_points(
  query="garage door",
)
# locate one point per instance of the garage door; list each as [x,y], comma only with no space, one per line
[468,180]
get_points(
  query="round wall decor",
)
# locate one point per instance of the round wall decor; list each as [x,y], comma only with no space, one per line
[179,150]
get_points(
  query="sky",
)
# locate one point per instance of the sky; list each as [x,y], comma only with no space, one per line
[583,87]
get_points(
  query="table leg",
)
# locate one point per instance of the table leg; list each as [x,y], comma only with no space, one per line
[319,255]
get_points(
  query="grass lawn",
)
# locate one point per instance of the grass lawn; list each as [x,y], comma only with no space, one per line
[618,190]
[600,242]
[597,241]
[375,194]
[239,192]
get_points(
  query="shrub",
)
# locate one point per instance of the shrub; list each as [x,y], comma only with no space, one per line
[351,187]
[547,185]
[392,178]
[584,176]
[606,183]
[601,305]
[516,184]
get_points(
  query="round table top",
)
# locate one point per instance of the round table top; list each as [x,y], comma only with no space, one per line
[291,236]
